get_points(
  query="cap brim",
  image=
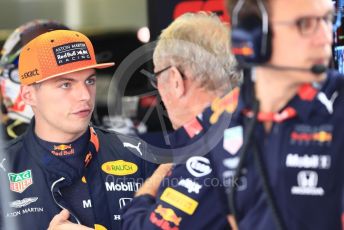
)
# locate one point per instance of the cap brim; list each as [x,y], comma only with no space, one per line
[96,66]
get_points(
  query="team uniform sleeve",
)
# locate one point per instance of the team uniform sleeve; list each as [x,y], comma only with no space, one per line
[183,202]
[134,214]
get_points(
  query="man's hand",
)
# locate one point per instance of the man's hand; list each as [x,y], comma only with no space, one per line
[61,222]
[232,222]
[152,184]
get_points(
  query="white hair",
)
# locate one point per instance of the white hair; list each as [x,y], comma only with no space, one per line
[199,43]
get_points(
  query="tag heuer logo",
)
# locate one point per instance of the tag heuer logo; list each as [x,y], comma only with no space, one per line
[20,181]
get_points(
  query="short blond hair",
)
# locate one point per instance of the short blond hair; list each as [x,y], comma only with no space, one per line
[200,43]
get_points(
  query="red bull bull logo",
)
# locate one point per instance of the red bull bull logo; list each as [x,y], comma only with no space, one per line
[228,103]
[168,221]
[168,214]
[62,147]
[318,137]
[322,136]
[244,51]
[63,150]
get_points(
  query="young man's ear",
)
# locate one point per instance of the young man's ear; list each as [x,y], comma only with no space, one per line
[28,95]
[177,82]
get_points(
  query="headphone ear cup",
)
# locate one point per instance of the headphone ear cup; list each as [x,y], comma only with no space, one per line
[250,43]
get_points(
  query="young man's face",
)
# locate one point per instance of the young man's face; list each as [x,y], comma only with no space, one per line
[64,104]
[296,47]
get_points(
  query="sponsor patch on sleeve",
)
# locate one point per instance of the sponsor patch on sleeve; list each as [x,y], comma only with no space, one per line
[179,200]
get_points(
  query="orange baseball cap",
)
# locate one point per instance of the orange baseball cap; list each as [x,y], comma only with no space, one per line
[56,53]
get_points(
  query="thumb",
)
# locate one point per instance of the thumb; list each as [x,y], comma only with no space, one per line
[64,215]
[59,219]
[163,169]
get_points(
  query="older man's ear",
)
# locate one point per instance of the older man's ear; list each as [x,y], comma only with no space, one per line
[177,82]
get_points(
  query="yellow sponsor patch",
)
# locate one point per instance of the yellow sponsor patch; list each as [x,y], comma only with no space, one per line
[119,168]
[99,227]
[179,200]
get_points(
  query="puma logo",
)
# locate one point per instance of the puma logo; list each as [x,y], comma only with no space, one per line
[2,164]
[129,145]
[328,103]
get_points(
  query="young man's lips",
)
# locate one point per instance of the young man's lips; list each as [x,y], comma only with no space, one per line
[83,113]
[320,61]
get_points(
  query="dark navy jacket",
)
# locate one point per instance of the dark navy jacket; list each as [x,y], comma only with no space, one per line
[302,156]
[185,200]
[189,197]
[32,181]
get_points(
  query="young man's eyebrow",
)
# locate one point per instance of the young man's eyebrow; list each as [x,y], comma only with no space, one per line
[92,75]
[64,79]
[72,79]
